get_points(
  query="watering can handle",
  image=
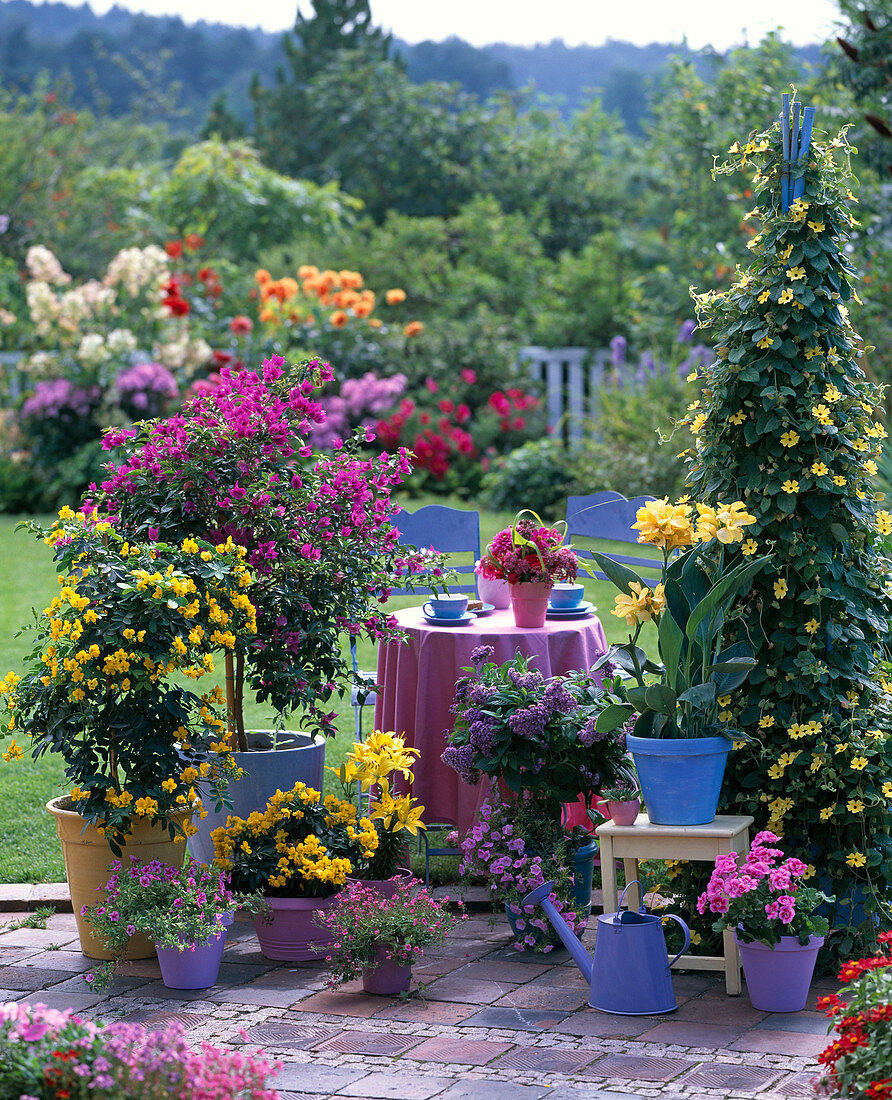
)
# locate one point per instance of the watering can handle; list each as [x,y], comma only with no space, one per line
[687,937]
[641,908]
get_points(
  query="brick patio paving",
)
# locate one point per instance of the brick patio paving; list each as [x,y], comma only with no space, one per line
[488,1024]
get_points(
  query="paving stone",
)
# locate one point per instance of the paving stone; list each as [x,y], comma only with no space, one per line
[11,995]
[289,978]
[119,986]
[728,1076]
[73,962]
[516,1019]
[781,1042]
[507,970]
[691,983]
[36,937]
[471,1052]
[338,1003]
[807,1023]
[545,1060]
[422,1012]
[555,958]
[396,1086]
[296,1036]
[687,1033]
[258,995]
[14,896]
[428,970]
[158,991]
[636,1067]
[77,1002]
[458,987]
[730,1010]
[600,1025]
[493,1090]
[369,1042]
[538,994]
[154,1019]
[580,1092]
[30,978]
[315,1079]
[799,1084]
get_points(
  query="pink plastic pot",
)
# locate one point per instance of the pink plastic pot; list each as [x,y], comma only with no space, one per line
[529,602]
[624,813]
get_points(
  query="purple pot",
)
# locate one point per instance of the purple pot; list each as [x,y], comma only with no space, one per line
[196,966]
[294,935]
[778,977]
[386,978]
[386,887]
[624,813]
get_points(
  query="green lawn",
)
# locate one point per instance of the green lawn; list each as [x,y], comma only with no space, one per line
[29,851]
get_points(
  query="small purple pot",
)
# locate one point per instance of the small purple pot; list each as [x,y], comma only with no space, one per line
[624,813]
[778,977]
[195,967]
[386,978]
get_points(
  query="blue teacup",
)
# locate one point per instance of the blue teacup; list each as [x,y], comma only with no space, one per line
[566,596]
[446,607]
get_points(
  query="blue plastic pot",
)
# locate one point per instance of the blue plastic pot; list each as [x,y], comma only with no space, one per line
[583,869]
[680,779]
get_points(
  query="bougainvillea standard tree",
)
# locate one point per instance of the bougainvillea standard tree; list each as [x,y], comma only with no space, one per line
[786,424]
[317,530]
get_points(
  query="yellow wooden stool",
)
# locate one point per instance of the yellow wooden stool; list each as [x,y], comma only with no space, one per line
[630,843]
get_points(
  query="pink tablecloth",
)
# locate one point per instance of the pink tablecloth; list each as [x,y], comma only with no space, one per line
[418,688]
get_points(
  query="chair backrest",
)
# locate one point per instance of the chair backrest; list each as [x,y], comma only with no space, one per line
[449,530]
[608,517]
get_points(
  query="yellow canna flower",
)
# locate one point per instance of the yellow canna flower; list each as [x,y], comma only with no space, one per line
[665,525]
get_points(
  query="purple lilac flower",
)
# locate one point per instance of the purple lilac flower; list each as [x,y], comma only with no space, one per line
[588,735]
[482,736]
[461,759]
[529,721]
[618,347]
[686,332]
[482,654]
[525,681]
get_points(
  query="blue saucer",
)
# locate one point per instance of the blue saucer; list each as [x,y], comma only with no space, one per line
[581,611]
[460,620]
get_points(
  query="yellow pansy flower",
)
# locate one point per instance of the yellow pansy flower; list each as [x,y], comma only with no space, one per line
[790,486]
[859,763]
[856,859]
[812,625]
[789,438]
[749,547]
[827,813]
[855,806]
[819,469]
[780,588]
[795,273]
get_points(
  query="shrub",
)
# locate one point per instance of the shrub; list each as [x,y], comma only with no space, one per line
[536,476]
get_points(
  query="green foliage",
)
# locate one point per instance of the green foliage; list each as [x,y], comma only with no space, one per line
[787,427]
[534,476]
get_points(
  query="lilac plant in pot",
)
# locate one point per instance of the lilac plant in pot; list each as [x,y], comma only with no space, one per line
[681,706]
[775,919]
[234,464]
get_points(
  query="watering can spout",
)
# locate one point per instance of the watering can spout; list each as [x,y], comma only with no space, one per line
[541,896]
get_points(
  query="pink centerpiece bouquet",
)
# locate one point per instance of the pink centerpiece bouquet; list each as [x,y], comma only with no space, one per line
[531,558]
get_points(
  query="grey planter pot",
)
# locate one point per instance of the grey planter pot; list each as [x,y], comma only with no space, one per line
[298,757]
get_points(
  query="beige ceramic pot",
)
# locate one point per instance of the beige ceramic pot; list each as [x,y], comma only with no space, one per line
[87,858]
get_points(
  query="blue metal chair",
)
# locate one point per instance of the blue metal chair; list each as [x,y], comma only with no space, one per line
[608,517]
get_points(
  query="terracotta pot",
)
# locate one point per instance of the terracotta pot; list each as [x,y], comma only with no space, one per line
[293,934]
[87,857]
[529,602]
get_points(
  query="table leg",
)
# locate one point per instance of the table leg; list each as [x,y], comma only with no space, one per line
[608,873]
[732,965]
[633,898]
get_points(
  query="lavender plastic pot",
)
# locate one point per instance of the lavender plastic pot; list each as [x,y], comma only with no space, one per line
[196,966]
[293,935]
[387,978]
[624,813]
[778,977]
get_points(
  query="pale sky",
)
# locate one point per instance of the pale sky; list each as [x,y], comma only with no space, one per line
[527,22]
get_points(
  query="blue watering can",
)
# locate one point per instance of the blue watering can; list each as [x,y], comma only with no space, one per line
[629,974]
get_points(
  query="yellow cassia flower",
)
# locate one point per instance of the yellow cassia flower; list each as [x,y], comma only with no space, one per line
[665,525]
[641,605]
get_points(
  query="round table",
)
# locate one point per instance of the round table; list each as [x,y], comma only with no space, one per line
[417,688]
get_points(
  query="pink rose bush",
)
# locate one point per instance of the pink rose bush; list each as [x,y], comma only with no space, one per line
[763,899]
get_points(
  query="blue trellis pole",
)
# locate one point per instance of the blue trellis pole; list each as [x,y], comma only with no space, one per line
[796,142]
